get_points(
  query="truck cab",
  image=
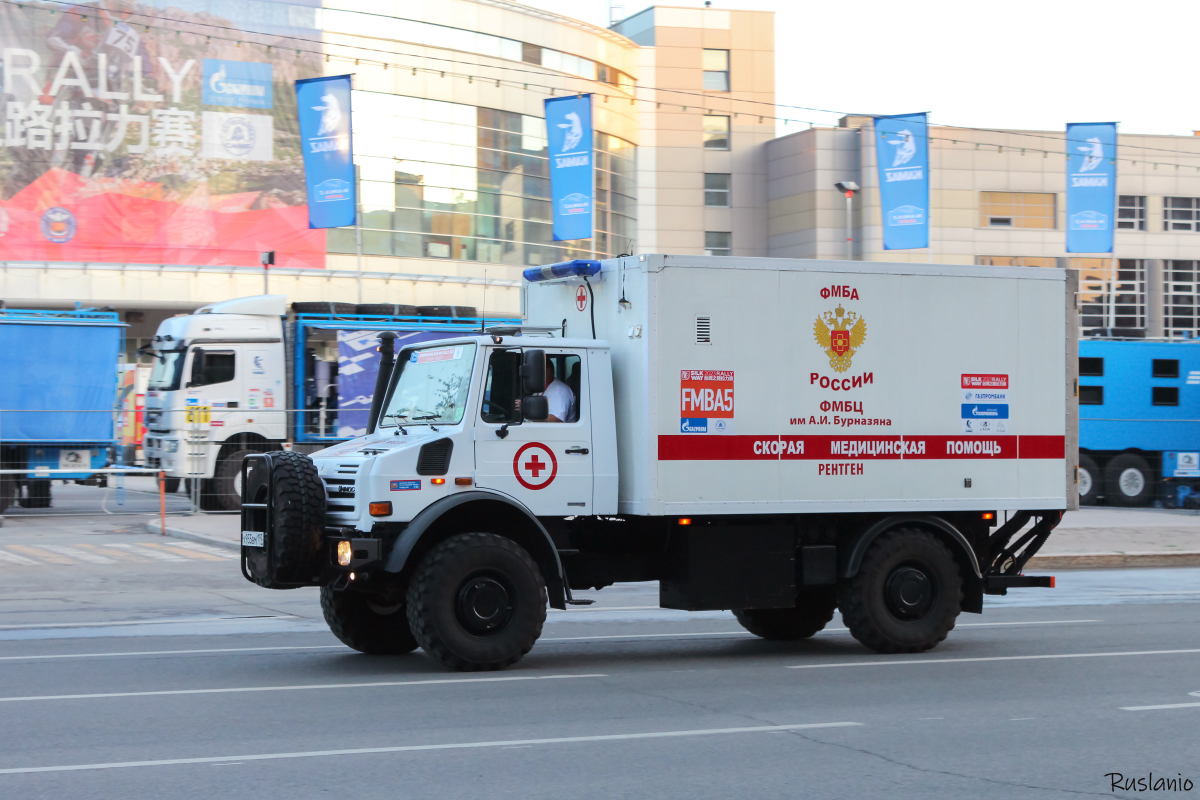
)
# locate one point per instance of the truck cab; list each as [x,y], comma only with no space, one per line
[217,391]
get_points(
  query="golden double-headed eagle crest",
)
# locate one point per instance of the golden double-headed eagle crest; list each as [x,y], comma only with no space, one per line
[839,334]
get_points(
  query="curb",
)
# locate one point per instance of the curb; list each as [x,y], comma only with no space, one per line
[155,528]
[1114,560]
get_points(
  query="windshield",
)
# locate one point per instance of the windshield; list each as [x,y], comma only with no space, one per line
[168,366]
[432,387]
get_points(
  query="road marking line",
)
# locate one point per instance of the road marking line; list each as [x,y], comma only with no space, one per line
[168,621]
[174,652]
[893,662]
[13,558]
[155,554]
[204,548]
[746,635]
[76,553]
[303,687]
[43,555]
[615,737]
[162,548]
[120,555]
[1160,708]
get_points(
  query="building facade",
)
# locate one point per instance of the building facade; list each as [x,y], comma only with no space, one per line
[999,197]
[150,177]
[707,105]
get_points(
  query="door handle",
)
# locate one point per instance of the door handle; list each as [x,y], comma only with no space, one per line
[583,451]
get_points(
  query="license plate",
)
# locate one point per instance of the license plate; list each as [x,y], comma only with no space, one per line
[252,538]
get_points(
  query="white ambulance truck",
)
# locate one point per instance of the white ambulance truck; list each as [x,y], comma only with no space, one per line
[782,438]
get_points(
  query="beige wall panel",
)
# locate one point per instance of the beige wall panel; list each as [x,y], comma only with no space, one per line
[676,78]
[678,57]
[678,37]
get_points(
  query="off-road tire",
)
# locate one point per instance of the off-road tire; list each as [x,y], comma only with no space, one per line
[814,609]
[171,485]
[222,486]
[870,617]
[1113,473]
[8,492]
[298,506]
[1093,482]
[442,579]
[361,625]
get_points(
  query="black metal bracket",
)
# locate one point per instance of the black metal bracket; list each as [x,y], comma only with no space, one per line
[1012,552]
[1000,584]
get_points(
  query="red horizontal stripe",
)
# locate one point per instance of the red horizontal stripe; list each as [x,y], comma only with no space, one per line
[714,447]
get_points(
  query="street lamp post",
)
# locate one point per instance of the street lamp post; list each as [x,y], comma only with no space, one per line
[848,188]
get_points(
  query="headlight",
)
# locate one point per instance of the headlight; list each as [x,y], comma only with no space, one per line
[171,445]
[343,553]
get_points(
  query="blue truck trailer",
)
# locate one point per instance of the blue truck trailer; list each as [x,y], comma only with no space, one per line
[57,399]
[1139,422]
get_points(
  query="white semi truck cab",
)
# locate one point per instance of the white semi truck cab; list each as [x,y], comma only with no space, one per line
[783,438]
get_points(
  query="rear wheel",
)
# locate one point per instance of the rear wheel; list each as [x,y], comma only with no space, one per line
[171,485]
[37,493]
[1089,481]
[477,602]
[814,608]
[1130,481]
[906,595]
[8,492]
[365,625]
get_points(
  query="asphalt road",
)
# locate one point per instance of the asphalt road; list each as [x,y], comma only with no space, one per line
[128,674]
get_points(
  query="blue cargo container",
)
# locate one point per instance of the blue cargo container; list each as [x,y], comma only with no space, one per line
[1139,421]
[57,398]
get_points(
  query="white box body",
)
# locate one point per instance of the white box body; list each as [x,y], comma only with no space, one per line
[959,394]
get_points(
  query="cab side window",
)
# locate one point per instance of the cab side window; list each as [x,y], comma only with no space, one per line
[500,388]
[569,369]
[212,366]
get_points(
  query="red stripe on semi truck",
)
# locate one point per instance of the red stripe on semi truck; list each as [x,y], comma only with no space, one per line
[715,447]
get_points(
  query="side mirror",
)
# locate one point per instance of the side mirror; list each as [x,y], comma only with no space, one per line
[535,408]
[533,372]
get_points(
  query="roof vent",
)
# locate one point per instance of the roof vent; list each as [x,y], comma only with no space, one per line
[703,330]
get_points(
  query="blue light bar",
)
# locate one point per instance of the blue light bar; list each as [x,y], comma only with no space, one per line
[580,267]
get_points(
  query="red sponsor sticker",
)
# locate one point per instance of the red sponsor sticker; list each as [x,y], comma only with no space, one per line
[706,393]
[985,381]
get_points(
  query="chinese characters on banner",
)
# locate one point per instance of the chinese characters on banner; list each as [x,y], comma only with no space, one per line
[133,134]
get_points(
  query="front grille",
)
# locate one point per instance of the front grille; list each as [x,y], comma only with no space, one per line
[435,458]
[341,501]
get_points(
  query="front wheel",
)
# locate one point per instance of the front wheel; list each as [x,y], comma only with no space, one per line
[1130,482]
[365,625]
[477,602]
[814,608]
[906,595]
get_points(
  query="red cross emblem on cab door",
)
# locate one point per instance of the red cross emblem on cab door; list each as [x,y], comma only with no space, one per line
[535,466]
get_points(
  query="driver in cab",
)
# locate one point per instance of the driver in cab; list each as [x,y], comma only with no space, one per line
[560,397]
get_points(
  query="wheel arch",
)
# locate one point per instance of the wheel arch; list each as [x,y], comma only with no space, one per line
[851,557]
[484,511]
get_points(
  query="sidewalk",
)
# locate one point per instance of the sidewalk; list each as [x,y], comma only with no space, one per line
[1091,538]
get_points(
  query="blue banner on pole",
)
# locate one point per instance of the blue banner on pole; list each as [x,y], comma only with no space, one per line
[323,106]
[1091,186]
[902,152]
[569,131]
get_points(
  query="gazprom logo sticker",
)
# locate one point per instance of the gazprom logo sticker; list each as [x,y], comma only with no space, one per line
[237,83]
[693,425]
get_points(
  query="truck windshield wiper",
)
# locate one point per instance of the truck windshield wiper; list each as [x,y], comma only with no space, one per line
[426,417]
[398,425]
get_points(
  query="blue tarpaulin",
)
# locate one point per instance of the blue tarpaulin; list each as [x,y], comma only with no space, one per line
[58,381]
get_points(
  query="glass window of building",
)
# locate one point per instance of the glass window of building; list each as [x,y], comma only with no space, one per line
[1181,292]
[1131,212]
[1015,261]
[717,243]
[716,132]
[716,189]
[1016,210]
[1181,213]
[460,182]
[1108,303]
[716,70]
